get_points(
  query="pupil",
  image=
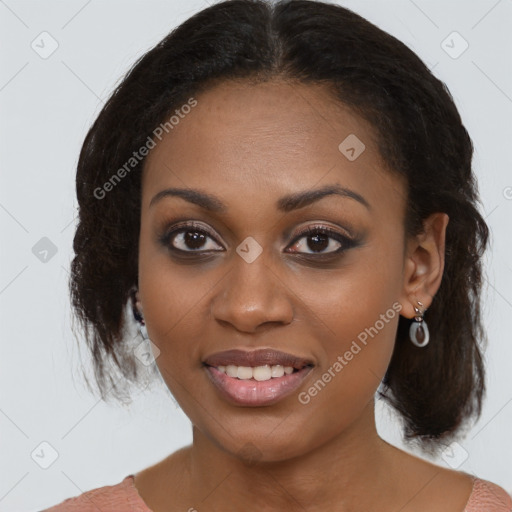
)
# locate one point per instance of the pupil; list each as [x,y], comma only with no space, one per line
[194,239]
[321,241]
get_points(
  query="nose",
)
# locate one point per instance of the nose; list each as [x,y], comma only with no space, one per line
[251,295]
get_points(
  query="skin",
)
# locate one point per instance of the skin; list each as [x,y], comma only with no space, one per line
[249,145]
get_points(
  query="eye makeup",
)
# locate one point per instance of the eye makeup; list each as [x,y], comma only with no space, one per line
[189,239]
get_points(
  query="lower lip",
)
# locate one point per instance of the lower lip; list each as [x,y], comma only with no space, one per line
[255,393]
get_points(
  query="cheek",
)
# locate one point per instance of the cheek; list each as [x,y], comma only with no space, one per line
[358,309]
[173,299]
[356,351]
[355,360]
[172,308]
[358,297]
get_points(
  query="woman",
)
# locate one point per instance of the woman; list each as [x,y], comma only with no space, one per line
[283,196]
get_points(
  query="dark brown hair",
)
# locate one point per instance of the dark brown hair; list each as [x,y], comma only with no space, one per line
[421,137]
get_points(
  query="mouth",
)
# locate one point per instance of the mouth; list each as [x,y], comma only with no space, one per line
[256,378]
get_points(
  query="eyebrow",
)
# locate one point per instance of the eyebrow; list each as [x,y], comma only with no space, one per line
[286,203]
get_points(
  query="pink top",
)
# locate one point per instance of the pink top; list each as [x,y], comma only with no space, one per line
[124,497]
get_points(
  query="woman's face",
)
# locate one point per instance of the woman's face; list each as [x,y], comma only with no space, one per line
[245,276]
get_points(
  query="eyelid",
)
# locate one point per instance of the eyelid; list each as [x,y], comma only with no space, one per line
[321,226]
[186,222]
[171,225]
[346,241]
[171,229]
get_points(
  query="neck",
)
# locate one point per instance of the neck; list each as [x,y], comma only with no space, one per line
[344,472]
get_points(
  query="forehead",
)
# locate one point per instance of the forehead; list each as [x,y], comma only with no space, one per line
[267,140]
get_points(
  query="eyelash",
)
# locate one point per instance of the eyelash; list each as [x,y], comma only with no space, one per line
[345,241]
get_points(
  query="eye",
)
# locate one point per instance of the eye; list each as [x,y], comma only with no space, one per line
[321,240]
[190,237]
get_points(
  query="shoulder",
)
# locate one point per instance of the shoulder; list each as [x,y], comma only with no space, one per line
[488,497]
[439,488]
[112,498]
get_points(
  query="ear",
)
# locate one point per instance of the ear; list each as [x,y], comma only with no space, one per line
[424,264]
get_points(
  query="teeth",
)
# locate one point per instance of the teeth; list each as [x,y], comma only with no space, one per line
[244,372]
[232,370]
[262,372]
[259,373]
[277,370]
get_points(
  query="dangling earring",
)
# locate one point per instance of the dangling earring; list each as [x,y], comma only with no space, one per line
[146,351]
[418,332]
[143,330]
[138,316]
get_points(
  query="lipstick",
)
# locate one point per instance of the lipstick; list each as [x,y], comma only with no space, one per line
[256,378]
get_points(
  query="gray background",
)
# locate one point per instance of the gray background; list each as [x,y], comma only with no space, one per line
[48,101]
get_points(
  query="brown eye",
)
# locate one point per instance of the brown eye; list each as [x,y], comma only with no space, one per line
[321,240]
[190,238]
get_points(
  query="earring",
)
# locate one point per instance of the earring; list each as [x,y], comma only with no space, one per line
[143,330]
[418,332]
[138,316]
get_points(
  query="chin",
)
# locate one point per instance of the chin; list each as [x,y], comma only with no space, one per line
[254,446]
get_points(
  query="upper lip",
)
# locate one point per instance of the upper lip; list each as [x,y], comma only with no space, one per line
[260,357]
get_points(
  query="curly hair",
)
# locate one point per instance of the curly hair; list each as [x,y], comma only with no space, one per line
[437,389]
